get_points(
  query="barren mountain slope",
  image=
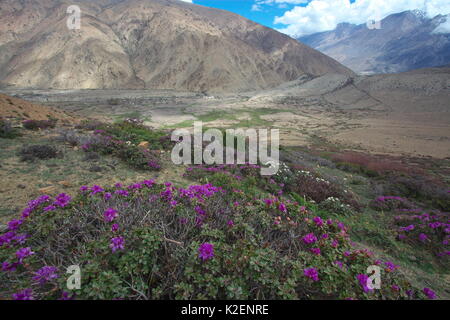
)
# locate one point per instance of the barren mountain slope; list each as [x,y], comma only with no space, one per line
[147,44]
[11,107]
[405,41]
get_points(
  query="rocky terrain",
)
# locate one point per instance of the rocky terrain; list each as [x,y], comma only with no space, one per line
[158,44]
[406,41]
[401,114]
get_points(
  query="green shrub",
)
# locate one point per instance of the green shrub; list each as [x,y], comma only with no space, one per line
[7,131]
[39,124]
[151,241]
[41,152]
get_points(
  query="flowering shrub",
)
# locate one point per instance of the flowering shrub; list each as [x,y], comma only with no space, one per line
[424,189]
[386,203]
[157,241]
[430,230]
[312,186]
[109,141]
[335,205]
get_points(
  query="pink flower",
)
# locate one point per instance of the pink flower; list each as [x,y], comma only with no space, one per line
[309,238]
[311,273]
[117,244]
[206,251]
[110,214]
[429,293]
[318,221]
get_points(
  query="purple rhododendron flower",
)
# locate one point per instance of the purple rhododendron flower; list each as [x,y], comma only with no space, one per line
[206,251]
[62,200]
[124,193]
[363,278]
[117,243]
[107,196]
[408,228]
[148,183]
[316,251]
[115,227]
[26,294]
[434,225]
[390,266]
[96,189]
[110,214]
[45,274]
[335,243]
[311,273]
[6,266]
[282,207]
[23,253]
[14,224]
[309,238]
[49,208]
[423,237]
[318,221]
[429,293]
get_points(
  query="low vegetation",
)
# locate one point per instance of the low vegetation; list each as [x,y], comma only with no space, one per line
[223,231]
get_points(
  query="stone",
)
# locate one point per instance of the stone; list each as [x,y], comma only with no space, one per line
[144,145]
[46,190]
[65,183]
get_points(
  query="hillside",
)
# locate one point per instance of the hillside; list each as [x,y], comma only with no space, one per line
[159,44]
[406,41]
[11,107]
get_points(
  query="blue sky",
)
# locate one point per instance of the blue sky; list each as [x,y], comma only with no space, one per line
[244,7]
[302,17]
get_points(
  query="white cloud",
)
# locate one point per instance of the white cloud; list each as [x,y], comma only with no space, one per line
[444,27]
[324,15]
[187,1]
[256,7]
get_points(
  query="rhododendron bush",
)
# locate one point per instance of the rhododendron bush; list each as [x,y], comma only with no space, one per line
[157,241]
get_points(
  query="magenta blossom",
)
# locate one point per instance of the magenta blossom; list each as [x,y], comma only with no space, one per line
[309,238]
[26,294]
[117,243]
[110,214]
[206,251]
[96,189]
[429,293]
[23,253]
[363,280]
[311,273]
[45,274]
[14,224]
[318,221]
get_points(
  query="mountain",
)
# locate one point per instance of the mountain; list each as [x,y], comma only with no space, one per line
[406,41]
[160,44]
